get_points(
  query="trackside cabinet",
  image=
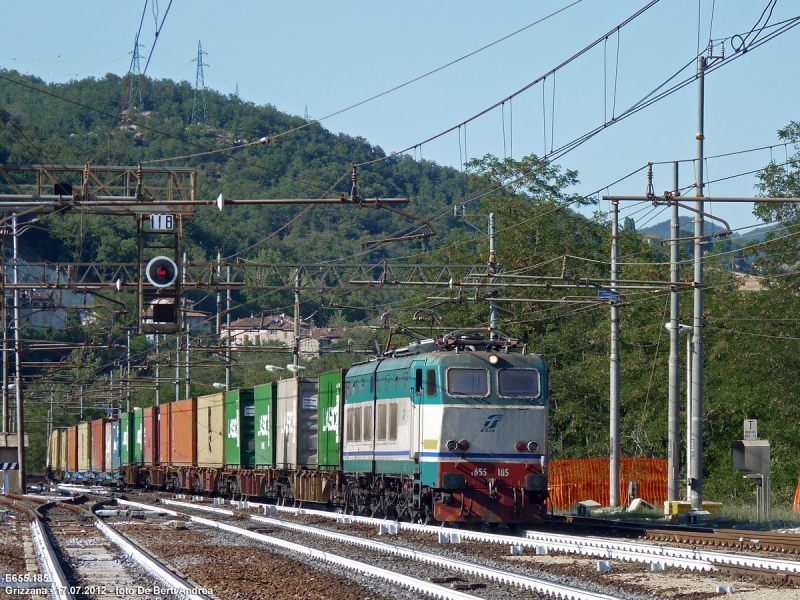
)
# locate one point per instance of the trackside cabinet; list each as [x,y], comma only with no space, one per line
[329,423]
[264,401]
[239,433]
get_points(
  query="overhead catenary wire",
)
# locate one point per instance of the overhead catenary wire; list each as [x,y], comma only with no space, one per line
[497,104]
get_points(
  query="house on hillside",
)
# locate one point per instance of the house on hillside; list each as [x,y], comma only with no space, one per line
[266,330]
[46,307]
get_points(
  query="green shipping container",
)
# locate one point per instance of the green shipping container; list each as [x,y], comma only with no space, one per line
[138,447]
[264,399]
[240,419]
[329,423]
[126,437]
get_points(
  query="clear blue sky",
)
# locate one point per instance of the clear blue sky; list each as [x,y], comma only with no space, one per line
[328,55]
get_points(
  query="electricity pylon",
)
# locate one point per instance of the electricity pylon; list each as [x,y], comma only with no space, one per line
[135,76]
[199,114]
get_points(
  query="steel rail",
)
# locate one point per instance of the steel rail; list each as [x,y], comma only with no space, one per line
[536,584]
[45,556]
[48,563]
[687,558]
[412,583]
[176,585]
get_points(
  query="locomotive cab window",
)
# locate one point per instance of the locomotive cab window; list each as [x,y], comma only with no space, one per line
[518,383]
[467,382]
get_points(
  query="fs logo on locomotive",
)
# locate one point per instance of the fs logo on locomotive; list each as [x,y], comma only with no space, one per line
[491,423]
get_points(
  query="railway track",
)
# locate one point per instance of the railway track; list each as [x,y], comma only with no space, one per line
[514,582]
[765,541]
[741,567]
[98,562]
[30,565]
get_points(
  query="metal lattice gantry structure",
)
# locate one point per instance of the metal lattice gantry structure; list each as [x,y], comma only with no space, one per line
[36,183]
[321,277]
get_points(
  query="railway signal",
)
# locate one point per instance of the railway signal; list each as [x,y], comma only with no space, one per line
[161,271]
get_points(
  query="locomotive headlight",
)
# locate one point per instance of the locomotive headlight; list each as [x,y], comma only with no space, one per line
[520,446]
[533,446]
[494,359]
[452,445]
[463,445]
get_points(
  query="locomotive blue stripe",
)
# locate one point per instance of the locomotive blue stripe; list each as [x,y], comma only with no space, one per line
[370,453]
[518,456]
[481,456]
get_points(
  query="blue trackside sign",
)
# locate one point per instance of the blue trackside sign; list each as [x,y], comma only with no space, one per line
[491,423]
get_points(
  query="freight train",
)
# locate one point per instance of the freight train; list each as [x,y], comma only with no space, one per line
[448,430]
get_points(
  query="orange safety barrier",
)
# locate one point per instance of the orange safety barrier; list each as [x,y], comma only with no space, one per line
[796,506]
[571,481]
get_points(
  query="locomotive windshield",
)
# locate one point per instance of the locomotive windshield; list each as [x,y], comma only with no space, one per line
[518,382]
[467,382]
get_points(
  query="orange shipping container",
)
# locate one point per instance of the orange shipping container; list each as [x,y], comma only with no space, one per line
[165,434]
[150,435]
[184,432]
[99,445]
[72,449]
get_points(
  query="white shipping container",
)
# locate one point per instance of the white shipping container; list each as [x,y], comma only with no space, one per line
[297,413]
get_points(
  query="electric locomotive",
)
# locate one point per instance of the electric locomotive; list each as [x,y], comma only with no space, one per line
[452,430]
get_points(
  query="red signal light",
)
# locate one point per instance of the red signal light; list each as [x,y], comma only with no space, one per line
[463,445]
[162,271]
[521,446]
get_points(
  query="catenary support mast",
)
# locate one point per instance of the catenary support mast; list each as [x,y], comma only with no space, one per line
[696,474]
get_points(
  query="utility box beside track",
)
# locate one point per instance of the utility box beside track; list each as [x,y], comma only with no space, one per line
[239,429]
[264,400]
[298,403]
